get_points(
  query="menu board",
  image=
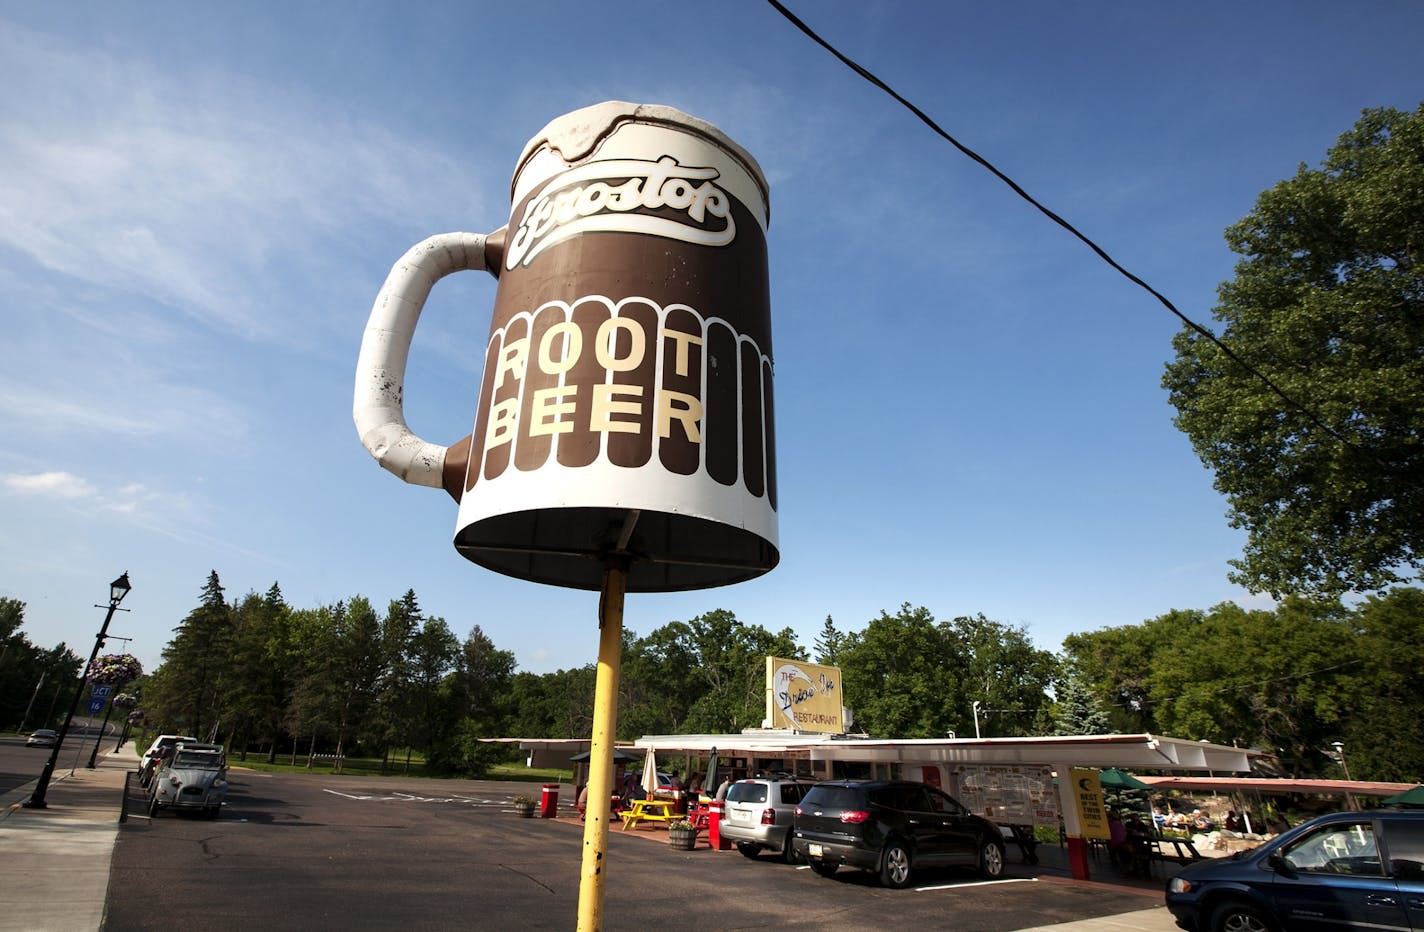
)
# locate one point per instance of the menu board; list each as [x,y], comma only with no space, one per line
[1008,794]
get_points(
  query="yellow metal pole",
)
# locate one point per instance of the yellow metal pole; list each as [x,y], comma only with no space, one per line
[600,759]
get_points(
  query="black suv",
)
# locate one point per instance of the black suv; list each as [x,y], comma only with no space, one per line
[891,828]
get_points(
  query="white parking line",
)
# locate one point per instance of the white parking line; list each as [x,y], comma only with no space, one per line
[400,797]
[980,883]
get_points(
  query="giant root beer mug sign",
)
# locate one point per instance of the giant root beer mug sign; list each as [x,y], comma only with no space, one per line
[626,399]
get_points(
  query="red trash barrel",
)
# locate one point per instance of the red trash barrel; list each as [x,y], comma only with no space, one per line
[549,801]
[715,810]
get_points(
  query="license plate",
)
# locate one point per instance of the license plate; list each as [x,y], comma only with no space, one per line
[739,816]
[813,849]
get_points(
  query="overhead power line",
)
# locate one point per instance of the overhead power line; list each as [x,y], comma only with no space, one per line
[1101,253]
[1137,704]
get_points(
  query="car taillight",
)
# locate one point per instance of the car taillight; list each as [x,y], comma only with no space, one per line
[768,817]
[799,813]
[855,816]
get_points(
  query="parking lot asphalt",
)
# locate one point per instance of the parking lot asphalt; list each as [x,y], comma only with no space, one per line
[57,861]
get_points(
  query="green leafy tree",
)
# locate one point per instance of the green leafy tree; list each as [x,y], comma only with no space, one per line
[434,651]
[1117,665]
[553,705]
[1006,673]
[1328,302]
[1278,680]
[477,692]
[1387,690]
[658,682]
[30,675]
[311,703]
[707,674]
[903,677]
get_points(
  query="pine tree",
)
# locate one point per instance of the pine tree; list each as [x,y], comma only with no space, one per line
[1078,712]
[828,643]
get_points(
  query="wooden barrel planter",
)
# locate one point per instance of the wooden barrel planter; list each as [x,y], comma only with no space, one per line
[524,809]
[682,838]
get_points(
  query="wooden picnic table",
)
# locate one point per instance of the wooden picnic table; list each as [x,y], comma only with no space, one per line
[649,810]
[1184,850]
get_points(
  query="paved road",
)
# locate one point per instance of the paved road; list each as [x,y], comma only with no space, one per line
[20,764]
[300,852]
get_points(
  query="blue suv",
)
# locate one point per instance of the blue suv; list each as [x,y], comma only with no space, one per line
[1346,870]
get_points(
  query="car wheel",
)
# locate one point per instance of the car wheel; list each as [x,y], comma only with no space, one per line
[788,853]
[1239,917]
[824,868]
[895,866]
[991,860]
[748,850]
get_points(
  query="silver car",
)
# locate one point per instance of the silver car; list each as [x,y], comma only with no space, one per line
[193,777]
[759,814]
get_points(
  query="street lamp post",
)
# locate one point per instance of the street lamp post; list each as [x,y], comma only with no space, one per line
[1350,802]
[976,718]
[1339,747]
[117,590]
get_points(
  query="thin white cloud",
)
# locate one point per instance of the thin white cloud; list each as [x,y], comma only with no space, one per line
[175,514]
[199,191]
[49,485]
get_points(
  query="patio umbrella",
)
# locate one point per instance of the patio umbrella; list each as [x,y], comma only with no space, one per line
[709,783]
[619,754]
[650,774]
[1116,779]
[1409,798]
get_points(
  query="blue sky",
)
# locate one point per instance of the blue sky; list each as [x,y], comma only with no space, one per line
[199,202]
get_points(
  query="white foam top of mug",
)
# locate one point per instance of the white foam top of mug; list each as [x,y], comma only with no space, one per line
[574,135]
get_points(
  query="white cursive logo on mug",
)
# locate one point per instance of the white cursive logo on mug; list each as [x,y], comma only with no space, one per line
[586,202]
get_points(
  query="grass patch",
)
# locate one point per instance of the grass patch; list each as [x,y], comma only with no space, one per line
[371,767]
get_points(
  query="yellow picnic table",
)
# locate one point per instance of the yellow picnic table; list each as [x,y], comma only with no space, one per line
[649,810]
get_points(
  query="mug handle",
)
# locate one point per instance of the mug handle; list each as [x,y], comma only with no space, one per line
[380,368]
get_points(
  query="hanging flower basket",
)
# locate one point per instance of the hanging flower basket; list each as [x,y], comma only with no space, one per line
[682,835]
[115,669]
[125,701]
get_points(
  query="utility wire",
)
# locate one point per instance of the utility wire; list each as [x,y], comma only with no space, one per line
[1102,254]
[1137,704]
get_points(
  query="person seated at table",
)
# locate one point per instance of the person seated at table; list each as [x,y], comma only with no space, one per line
[1201,822]
[1158,818]
[1137,847]
[678,796]
[1233,821]
[1117,841]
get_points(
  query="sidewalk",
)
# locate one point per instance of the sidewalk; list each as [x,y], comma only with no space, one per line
[56,874]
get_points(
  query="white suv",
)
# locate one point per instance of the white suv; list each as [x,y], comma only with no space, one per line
[759,814]
[161,748]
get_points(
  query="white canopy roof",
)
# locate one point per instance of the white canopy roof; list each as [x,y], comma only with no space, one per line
[1142,751]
